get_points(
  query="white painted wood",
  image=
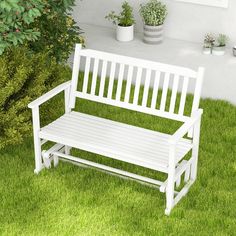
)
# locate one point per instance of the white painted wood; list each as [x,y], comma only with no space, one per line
[150,149]
[111,80]
[164,92]
[133,107]
[183,96]
[128,84]
[197,94]
[139,63]
[146,88]
[37,140]
[186,127]
[110,169]
[103,77]
[120,81]
[171,180]
[75,75]
[95,75]
[86,74]
[137,86]
[155,89]
[174,94]
[44,98]
[195,149]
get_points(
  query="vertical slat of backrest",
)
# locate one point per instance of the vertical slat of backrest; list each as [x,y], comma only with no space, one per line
[120,81]
[137,86]
[164,92]
[111,80]
[174,94]
[86,74]
[103,78]
[146,88]
[183,95]
[75,75]
[95,75]
[128,84]
[155,89]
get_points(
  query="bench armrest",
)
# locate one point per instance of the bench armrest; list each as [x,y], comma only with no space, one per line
[49,94]
[186,127]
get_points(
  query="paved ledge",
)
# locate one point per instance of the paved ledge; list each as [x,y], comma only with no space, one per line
[220,79]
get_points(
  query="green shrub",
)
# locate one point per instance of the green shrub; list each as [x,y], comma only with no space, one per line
[125,18]
[153,13]
[24,77]
[58,29]
[16,17]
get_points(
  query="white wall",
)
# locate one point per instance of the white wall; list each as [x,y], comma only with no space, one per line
[185,21]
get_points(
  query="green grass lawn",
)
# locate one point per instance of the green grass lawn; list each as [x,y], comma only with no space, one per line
[71,200]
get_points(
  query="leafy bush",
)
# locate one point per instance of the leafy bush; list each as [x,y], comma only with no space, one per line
[16,17]
[24,77]
[125,18]
[58,29]
[153,13]
[44,24]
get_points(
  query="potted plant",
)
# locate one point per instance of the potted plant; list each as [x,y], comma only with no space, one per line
[208,44]
[219,47]
[125,23]
[153,14]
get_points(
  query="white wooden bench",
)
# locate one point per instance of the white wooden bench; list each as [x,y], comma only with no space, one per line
[154,150]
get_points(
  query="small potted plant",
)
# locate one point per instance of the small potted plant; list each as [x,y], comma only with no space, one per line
[220,45]
[153,14]
[208,44]
[125,23]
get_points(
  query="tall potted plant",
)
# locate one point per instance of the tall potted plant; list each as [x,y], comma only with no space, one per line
[124,21]
[153,14]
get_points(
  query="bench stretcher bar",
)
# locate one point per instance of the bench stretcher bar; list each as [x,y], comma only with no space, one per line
[121,173]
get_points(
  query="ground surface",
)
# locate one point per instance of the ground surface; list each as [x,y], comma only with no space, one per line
[70,200]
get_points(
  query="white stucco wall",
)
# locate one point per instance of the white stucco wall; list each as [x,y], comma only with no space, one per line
[185,21]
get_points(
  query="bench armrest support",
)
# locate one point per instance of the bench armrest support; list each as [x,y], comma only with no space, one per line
[186,127]
[49,95]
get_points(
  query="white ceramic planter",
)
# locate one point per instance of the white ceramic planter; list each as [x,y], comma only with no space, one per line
[125,34]
[206,51]
[218,51]
[153,34]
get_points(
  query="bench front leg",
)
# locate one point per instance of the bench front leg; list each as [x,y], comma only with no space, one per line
[170,189]
[195,149]
[37,141]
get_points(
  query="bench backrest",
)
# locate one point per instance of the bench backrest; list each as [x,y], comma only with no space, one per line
[158,74]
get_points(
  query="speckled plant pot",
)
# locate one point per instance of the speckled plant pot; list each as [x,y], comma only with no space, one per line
[153,34]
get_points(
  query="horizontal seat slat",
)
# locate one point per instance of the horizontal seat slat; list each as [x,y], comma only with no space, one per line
[129,146]
[121,141]
[149,140]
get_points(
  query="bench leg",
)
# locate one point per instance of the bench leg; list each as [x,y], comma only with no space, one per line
[170,182]
[196,137]
[67,150]
[37,142]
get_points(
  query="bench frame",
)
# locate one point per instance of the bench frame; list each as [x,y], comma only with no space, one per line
[191,127]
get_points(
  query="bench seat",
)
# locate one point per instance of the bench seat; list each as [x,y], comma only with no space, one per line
[116,140]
